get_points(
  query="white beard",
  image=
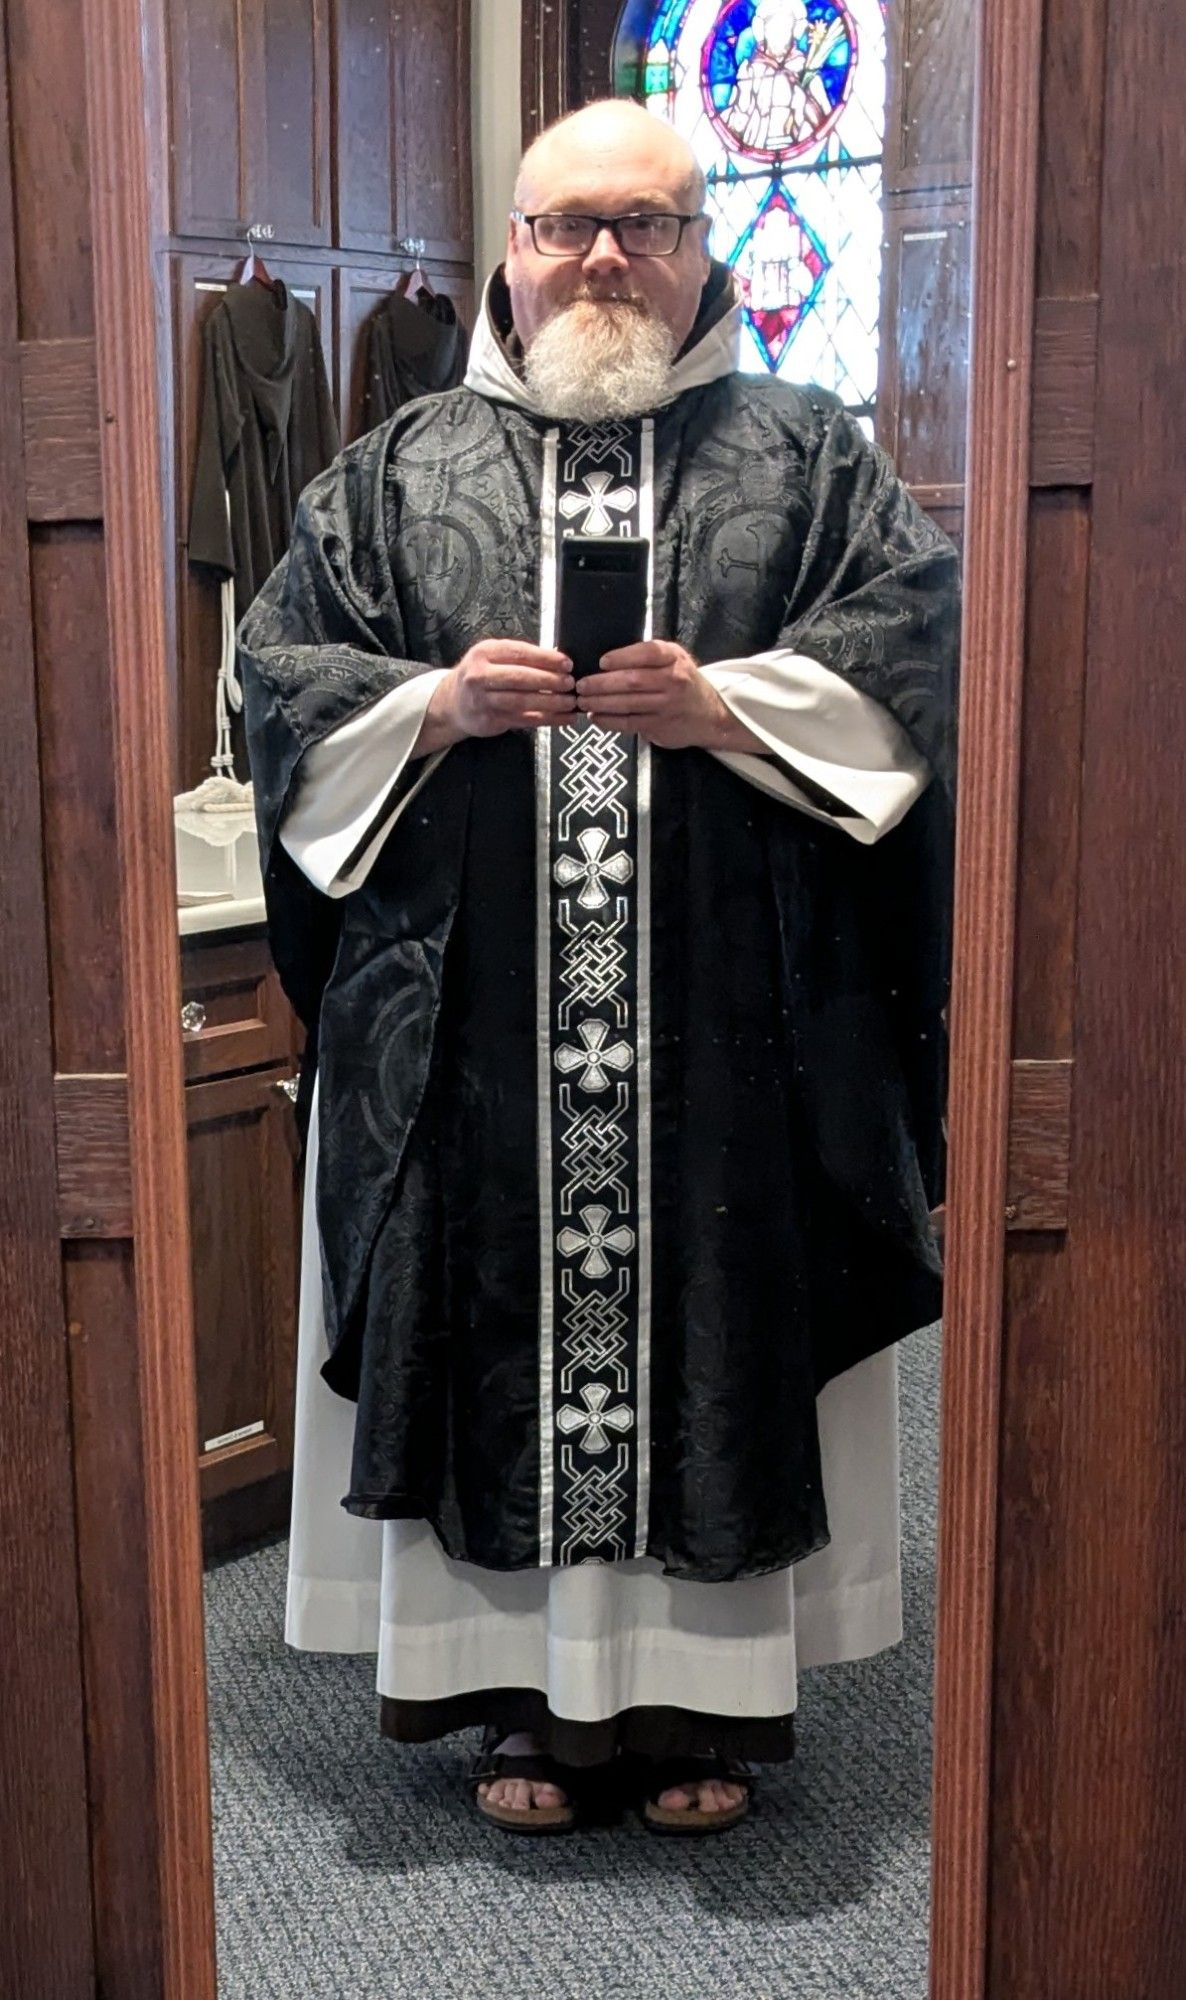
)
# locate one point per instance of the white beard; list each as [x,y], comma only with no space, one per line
[592,361]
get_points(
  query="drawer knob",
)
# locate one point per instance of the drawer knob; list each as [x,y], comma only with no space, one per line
[193,1017]
[288,1086]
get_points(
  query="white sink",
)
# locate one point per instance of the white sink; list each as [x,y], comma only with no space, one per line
[218,877]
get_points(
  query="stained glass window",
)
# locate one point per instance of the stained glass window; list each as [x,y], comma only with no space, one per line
[784,104]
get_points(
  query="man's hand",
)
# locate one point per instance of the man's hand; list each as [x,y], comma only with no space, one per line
[499,684]
[656,690]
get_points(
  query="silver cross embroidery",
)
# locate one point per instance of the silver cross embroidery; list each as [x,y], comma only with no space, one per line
[593,843]
[594,1240]
[591,1060]
[598,519]
[594,1417]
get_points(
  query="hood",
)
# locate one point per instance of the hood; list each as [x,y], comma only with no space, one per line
[710,350]
[264,321]
[425,332]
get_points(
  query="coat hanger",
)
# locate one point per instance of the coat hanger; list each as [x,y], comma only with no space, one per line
[253,268]
[416,280]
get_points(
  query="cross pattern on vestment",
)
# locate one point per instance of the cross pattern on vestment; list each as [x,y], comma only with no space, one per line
[595,1239]
[591,1059]
[595,866]
[594,1417]
[595,506]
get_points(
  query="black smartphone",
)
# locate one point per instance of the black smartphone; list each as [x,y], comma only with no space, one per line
[603,596]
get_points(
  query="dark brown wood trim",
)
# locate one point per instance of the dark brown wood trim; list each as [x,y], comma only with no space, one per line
[936,496]
[120,173]
[60,405]
[46,1921]
[547,64]
[1006,156]
[1038,1187]
[1062,433]
[94,1156]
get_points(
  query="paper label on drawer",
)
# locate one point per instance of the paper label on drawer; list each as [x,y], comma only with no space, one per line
[233,1437]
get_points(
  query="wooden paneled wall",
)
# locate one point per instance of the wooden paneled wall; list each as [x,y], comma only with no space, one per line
[1089,1764]
[85,1912]
[344,127]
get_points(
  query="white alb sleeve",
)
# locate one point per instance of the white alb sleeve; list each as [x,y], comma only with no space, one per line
[346,780]
[819,724]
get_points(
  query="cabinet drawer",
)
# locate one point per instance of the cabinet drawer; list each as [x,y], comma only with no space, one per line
[244,1224]
[233,1014]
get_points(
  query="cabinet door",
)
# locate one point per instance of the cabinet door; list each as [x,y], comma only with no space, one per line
[925,325]
[244,1226]
[931,49]
[404,173]
[250,106]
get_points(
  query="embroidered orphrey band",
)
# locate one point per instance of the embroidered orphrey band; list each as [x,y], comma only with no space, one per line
[593,1009]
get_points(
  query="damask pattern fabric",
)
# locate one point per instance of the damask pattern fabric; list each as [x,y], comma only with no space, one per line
[777,1183]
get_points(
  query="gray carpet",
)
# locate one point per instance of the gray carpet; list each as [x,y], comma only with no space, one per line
[352,1867]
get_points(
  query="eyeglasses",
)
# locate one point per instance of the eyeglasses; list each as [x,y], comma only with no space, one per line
[657,234]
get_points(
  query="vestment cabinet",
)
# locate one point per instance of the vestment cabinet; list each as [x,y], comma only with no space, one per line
[342,129]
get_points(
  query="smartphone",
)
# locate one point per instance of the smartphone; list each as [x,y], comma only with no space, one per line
[603,596]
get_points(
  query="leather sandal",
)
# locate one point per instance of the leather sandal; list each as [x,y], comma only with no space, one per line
[490,1763]
[667,1772]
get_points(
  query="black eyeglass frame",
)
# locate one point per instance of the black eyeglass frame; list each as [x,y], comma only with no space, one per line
[610,222]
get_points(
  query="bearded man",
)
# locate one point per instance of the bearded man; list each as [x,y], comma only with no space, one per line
[627,999]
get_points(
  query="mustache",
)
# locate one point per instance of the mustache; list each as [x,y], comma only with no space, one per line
[585,297]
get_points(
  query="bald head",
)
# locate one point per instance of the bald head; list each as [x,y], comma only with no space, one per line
[613,139]
[608,159]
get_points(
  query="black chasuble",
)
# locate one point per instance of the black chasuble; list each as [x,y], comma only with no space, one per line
[631,1073]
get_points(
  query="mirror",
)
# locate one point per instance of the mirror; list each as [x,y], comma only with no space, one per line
[566,1160]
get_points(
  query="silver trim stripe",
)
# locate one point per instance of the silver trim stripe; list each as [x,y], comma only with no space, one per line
[646,527]
[543,1022]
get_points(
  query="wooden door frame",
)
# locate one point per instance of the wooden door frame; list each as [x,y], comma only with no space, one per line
[990,719]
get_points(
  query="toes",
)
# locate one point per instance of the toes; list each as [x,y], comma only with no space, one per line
[707,1794]
[520,1794]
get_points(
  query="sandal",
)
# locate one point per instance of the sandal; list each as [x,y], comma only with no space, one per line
[490,1763]
[662,1775]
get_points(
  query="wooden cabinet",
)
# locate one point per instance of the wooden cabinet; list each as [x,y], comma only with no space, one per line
[926,314]
[249,99]
[931,48]
[343,127]
[403,127]
[268,107]
[240,1066]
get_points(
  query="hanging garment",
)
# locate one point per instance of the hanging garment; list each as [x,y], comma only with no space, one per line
[411,347]
[267,427]
[631,1060]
